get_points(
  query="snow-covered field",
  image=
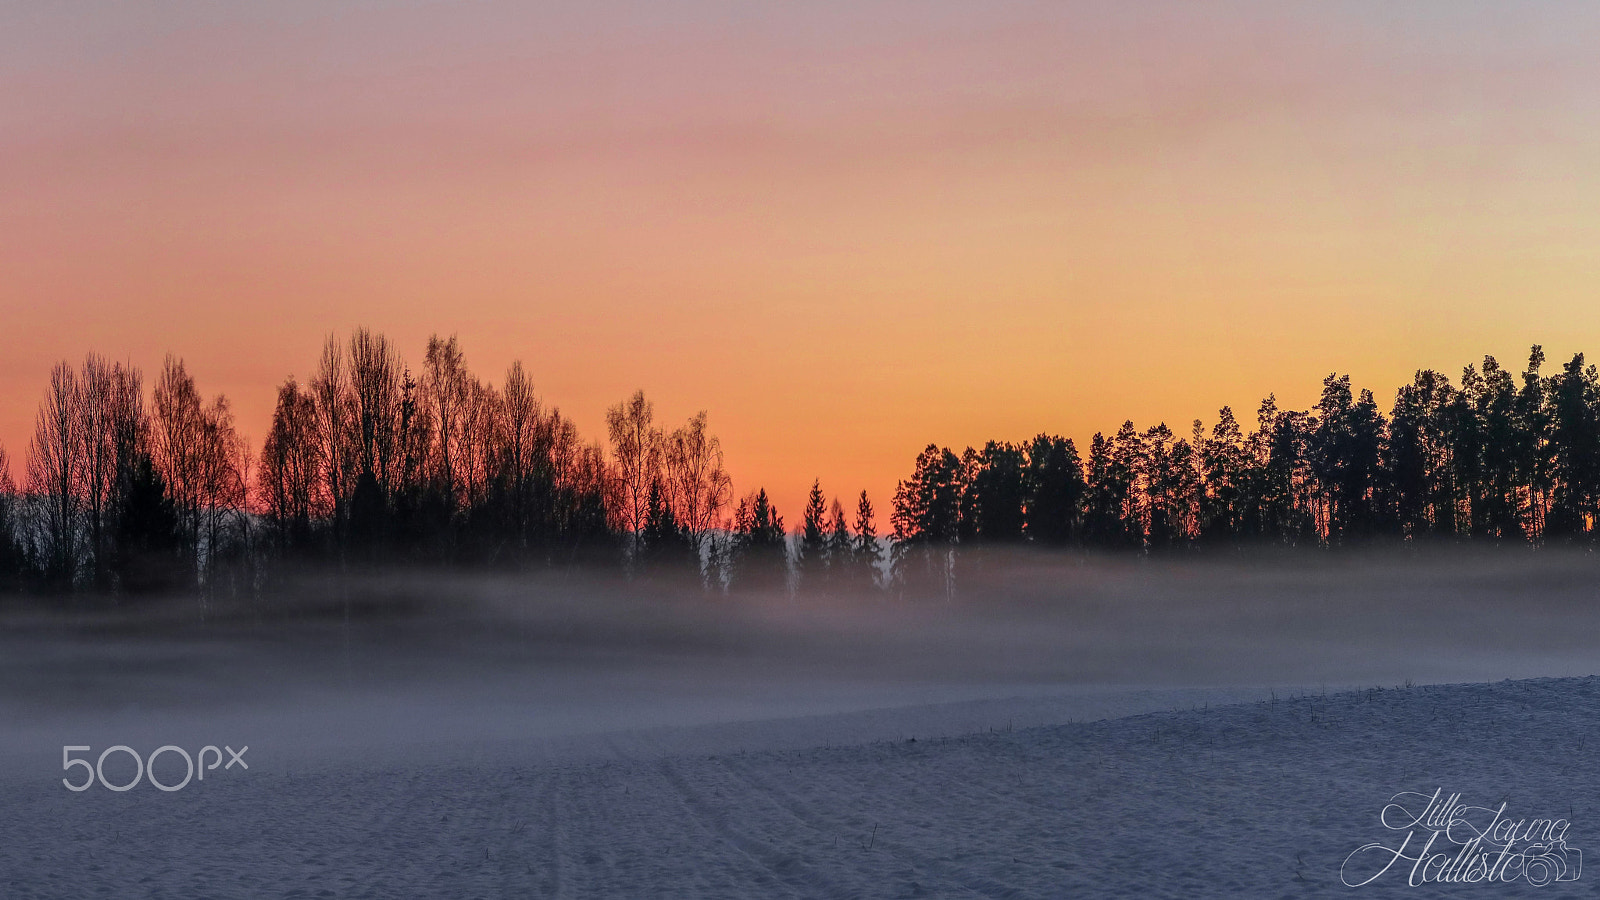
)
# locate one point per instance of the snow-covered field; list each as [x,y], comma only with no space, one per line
[1097,732]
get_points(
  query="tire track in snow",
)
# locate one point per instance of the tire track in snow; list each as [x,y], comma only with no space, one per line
[801,879]
[557,838]
[751,867]
[830,826]
[543,869]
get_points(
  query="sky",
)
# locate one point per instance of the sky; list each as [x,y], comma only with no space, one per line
[843,229]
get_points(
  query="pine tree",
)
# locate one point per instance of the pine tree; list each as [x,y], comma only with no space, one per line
[1418,457]
[927,507]
[1163,507]
[811,554]
[1496,407]
[1102,514]
[664,546]
[1225,470]
[760,560]
[1574,400]
[1054,491]
[1533,451]
[995,493]
[150,557]
[1124,476]
[865,554]
[839,546]
[927,523]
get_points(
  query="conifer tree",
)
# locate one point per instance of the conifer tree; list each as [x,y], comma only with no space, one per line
[865,554]
[811,552]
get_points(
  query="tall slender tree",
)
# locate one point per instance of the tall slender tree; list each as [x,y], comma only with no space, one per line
[1225,469]
[840,546]
[1574,399]
[288,479]
[866,556]
[54,470]
[811,560]
[636,455]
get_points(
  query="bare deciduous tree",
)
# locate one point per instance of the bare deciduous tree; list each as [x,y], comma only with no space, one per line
[289,475]
[524,433]
[53,474]
[476,438]
[223,467]
[697,483]
[204,464]
[376,394]
[446,393]
[110,409]
[636,451]
[177,433]
[330,389]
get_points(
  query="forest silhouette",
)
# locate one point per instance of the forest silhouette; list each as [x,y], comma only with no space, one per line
[370,466]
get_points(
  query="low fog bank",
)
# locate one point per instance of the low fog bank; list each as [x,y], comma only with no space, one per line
[531,665]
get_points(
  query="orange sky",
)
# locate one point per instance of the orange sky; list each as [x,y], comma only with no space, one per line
[844,229]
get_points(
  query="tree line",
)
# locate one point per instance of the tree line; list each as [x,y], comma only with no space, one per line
[368,464]
[1499,457]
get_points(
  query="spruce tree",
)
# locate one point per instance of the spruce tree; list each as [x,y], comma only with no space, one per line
[865,554]
[811,554]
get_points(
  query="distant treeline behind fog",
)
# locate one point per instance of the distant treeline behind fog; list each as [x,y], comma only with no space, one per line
[371,464]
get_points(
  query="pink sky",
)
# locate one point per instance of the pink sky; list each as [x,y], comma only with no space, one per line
[844,229]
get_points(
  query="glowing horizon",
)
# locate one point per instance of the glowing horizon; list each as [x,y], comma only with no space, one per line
[845,231]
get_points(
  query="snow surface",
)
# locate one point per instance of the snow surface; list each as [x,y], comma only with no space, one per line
[1262,799]
[1166,735]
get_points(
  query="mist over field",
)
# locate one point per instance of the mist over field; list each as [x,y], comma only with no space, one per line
[1053,725]
[475,662]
